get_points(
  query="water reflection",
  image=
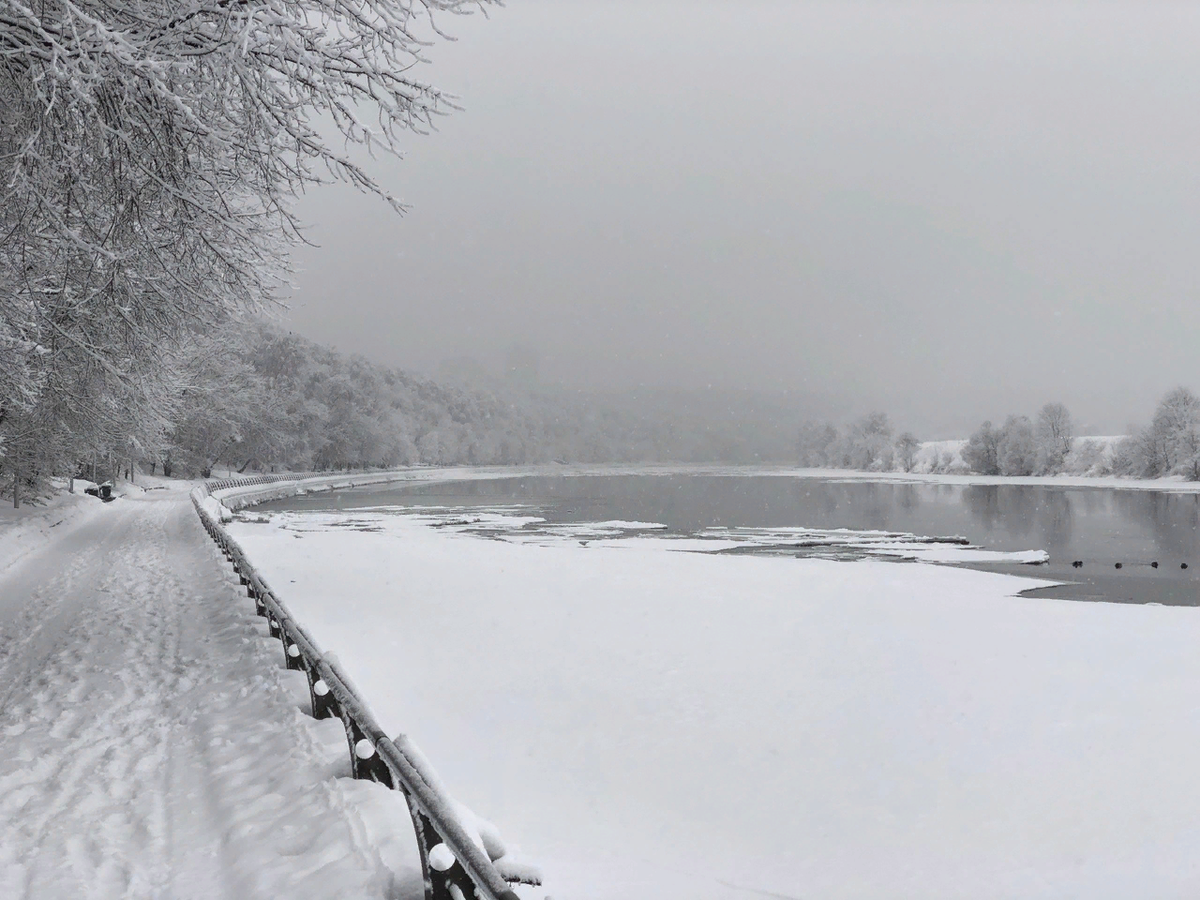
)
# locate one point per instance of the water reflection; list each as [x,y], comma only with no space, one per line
[1056,521]
[1022,512]
[1171,518]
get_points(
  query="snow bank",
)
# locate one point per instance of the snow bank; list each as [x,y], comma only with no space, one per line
[25,530]
[667,725]
[216,508]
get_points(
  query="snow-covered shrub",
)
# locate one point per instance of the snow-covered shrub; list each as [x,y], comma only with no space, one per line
[1055,438]
[938,457]
[815,443]
[981,454]
[956,466]
[1087,457]
[1128,456]
[870,443]
[906,448]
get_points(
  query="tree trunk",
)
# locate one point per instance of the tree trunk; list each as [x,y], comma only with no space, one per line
[16,490]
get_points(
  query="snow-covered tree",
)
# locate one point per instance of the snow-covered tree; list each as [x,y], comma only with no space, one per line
[871,442]
[981,452]
[1175,434]
[907,446]
[1016,452]
[149,155]
[815,444]
[1055,437]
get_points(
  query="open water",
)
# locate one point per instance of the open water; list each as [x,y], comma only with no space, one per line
[1115,536]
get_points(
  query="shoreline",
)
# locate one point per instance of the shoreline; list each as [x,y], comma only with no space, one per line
[1171,484]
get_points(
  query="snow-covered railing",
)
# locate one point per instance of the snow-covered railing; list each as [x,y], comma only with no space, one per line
[453,866]
[221,484]
[239,492]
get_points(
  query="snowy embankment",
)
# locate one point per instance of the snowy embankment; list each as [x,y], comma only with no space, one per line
[674,725]
[30,528]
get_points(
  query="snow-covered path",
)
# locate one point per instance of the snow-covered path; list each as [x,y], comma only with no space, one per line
[150,744]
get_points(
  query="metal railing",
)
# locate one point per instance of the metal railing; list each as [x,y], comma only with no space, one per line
[453,866]
[221,484]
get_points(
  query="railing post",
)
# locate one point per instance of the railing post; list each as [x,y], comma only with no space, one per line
[324,705]
[291,654]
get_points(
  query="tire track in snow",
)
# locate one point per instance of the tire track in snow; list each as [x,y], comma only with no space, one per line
[148,744]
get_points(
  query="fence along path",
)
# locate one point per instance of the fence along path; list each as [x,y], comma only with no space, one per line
[453,866]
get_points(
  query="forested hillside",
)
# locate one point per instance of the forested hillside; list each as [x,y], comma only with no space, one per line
[260,398]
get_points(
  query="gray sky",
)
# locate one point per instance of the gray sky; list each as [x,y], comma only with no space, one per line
[948,210]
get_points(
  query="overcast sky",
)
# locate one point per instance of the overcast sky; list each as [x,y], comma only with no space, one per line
[948,210]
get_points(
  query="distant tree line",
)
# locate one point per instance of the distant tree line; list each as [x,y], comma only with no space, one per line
[1169,445]
[260,398]
[1044,445]
[867,444]
[250,397]
[1021,446]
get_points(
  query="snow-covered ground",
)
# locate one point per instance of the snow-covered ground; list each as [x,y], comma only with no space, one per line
[682,726]
[151,746]
[31,527]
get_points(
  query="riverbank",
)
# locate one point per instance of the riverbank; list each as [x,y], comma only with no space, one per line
[647,723]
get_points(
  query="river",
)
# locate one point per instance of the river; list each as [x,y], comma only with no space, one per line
[1104,543]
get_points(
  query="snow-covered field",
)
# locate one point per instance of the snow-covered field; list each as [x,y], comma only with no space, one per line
[654,724]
